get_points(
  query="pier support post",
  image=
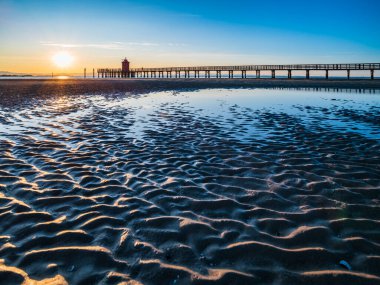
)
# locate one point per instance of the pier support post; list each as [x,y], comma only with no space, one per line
[230,74]
[273,74]
[348,74]
[327,74]
[307,74]
[84,73]
[372,74]
[257,73]
[289,74]
[218,74]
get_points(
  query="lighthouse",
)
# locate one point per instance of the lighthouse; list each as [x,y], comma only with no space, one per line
[125,66]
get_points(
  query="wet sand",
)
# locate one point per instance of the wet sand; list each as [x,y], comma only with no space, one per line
[101,183]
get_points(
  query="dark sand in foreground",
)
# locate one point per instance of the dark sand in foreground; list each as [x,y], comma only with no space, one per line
[83,201]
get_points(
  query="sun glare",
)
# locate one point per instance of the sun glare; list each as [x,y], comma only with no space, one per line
[63,59]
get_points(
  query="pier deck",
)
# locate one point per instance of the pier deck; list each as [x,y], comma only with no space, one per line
[195,71]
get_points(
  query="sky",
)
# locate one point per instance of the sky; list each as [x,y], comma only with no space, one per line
[155,33]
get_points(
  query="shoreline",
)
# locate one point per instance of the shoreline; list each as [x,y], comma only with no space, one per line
[15,92]
[215,83]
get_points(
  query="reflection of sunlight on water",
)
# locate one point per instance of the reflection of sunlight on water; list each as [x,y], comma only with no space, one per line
[62,77]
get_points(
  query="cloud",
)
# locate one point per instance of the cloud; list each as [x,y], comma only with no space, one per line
[111,45]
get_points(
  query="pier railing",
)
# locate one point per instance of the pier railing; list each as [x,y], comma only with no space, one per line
[350,66]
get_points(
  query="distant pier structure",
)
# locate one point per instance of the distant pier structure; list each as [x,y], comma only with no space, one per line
[236,71]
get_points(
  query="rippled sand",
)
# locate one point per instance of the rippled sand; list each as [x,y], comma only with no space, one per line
[214,186]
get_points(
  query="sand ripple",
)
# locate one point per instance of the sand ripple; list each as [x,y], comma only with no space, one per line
[91,192]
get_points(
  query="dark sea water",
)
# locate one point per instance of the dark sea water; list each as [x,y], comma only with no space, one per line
[215,186]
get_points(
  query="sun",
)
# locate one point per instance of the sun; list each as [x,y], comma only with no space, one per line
[63,59]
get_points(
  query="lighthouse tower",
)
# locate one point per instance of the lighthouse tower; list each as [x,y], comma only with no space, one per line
[125,66]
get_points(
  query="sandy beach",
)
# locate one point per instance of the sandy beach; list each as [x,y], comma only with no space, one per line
[190,181]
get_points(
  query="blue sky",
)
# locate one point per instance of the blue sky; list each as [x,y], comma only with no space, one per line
[165,33]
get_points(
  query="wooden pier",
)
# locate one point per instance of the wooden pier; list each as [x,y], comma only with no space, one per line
[238,71]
